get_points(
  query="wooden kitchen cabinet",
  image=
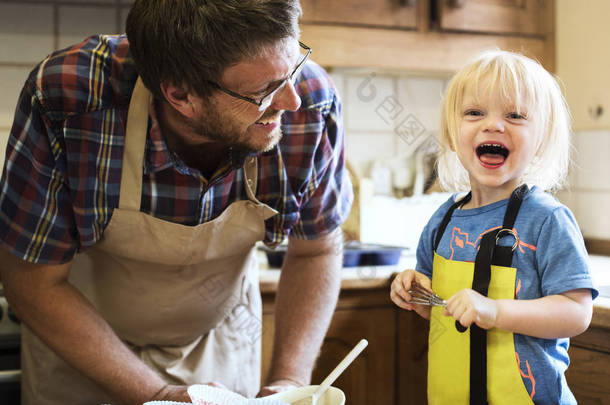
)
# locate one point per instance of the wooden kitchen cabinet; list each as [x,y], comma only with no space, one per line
[425,35]
[518,17]
[411,359]
[381,13]
[391,370]
[589,372]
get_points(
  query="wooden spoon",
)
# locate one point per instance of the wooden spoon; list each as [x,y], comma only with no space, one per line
[347,360]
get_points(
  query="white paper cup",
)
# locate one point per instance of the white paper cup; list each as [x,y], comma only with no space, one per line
[332,396]
[207,395]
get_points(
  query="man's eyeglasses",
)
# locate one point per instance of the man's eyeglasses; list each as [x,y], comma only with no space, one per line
[265,101]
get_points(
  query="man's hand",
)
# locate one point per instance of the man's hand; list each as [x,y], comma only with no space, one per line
[399,291]
[468,307]
[277,386]
[177,393]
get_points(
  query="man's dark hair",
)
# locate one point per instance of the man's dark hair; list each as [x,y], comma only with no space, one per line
[192,42]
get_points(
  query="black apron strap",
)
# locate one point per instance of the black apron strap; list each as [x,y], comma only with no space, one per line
[478,336]
[516,198]
[490,254]
[441,229]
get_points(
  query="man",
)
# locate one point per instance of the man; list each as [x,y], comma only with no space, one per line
[128,220]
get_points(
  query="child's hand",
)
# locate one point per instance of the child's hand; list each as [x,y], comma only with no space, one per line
[468,307]
[400,287]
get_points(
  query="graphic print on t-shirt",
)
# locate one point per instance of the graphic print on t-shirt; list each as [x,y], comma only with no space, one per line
[462,240]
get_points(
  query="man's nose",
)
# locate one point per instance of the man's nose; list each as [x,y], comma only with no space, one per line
[286,98]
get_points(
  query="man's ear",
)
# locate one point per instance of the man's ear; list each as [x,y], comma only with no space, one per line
[179,98]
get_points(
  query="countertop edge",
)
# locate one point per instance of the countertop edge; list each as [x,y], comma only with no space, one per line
[601,313]
[379,277]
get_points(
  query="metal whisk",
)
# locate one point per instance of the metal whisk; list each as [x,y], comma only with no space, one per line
[422,296]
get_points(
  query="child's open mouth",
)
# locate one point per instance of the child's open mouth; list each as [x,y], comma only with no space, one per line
[492,155]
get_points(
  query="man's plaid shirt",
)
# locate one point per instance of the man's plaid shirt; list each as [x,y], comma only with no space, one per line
[62,171]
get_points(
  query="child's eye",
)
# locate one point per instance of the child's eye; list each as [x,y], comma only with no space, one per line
[516,116]
[473,113]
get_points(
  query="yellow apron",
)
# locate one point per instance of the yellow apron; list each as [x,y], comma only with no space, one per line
[451,356]
[185,299]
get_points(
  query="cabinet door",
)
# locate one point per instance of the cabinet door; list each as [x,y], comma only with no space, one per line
[370,378]
[494,16]
[588,376]
[381,13]
[412,357]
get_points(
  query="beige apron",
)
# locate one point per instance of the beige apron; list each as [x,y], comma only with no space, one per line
[185,299]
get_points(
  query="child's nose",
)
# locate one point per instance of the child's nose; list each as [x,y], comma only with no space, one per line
[494,124]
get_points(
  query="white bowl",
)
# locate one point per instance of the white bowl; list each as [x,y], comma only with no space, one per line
[207,395]
[166,403]
[332,396]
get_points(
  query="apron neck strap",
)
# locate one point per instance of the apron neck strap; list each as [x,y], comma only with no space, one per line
[251,177]
[133,152]
[447,218]
[250,169]
[509,217]
[516,198]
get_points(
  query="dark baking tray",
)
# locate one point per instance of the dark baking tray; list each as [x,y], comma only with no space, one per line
[354,254]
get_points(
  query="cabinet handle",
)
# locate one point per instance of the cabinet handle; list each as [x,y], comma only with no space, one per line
[456,3]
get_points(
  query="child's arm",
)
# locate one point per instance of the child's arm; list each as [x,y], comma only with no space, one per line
[400,287]
[551,317]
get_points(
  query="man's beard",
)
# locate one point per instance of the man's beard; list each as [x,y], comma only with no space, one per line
[212,125]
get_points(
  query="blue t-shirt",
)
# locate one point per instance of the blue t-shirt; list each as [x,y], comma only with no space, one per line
[550,259]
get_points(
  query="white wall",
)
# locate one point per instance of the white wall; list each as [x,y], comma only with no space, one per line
[583,58]
[387,115]
[31,29]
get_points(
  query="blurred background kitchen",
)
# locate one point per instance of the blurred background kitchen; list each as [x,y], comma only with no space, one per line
[391,60]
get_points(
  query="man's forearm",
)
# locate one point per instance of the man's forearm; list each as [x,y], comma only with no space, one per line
[83,339]
[69,325]
[306,300]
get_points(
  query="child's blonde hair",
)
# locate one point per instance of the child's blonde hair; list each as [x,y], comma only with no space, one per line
[524,84]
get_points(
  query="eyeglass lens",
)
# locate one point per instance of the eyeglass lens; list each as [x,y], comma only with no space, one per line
[266,100]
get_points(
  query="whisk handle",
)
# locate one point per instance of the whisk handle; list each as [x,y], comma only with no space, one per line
[460,328]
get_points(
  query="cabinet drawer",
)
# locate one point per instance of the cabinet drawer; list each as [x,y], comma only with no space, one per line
[381,13]
[589,376]
[493,16]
